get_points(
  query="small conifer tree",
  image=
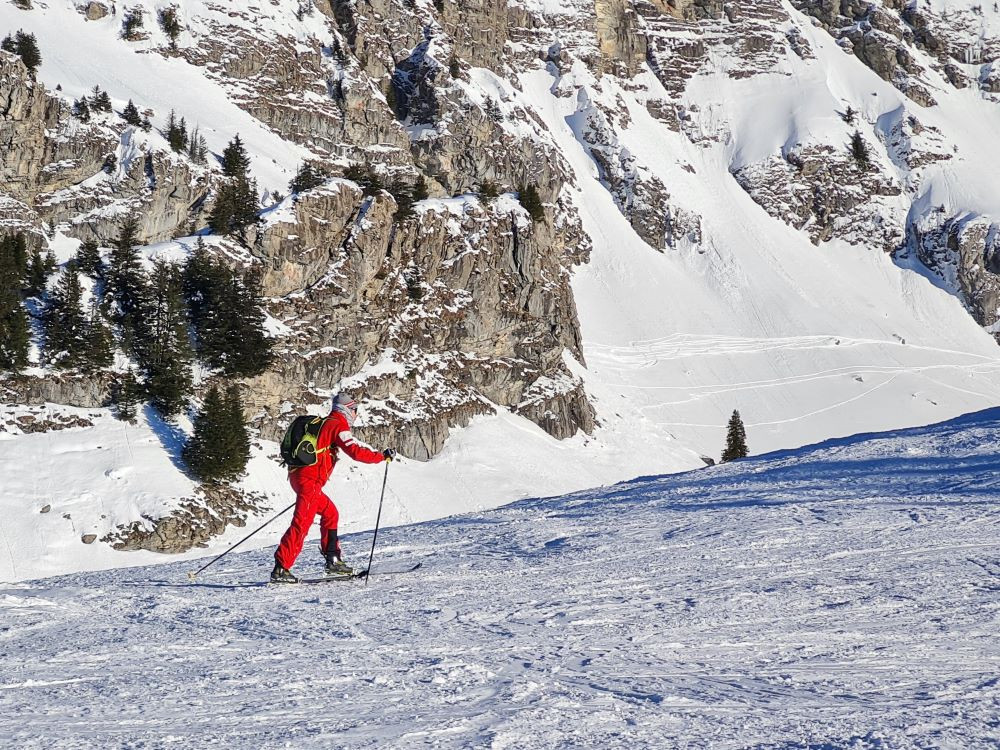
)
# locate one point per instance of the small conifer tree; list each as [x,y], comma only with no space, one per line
[127,398]
[420,190]
[736,439]
[82,109]
[489,191]
[176,133]
[170,24]
[218,449]
[235,160]
[532,202]
[859,150]
[403,195]
[66,335]
[165,350]
[366,177]
[131,114]
[492,109]
[197,149]
[454,67]
[99,352]
[14,328]
[37,275]
[24,46]
[132,22]
[88,258]
[100,101]
[306,178]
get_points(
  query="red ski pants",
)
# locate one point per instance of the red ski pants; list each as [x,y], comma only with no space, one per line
[310,500]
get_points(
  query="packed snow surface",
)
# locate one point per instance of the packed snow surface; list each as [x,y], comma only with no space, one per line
[839,595]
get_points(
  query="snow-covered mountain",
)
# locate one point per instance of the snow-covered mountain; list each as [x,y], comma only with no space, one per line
[709,242]
[842,595]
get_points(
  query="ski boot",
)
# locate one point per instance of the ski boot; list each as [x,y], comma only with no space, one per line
[337,567]
[282,575]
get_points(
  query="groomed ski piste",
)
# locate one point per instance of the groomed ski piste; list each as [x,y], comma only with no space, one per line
[841,595]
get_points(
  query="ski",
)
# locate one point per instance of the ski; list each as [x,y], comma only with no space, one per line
[361,574]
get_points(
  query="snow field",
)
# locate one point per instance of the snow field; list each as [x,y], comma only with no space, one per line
[840,595]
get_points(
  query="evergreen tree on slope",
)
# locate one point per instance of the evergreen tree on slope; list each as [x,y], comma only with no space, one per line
[736,439]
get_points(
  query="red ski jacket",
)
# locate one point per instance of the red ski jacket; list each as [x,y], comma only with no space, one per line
[333,436]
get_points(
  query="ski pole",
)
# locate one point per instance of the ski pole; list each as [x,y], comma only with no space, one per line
[195,573]
[385,478]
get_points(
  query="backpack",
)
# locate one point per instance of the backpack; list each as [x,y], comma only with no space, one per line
[298,446]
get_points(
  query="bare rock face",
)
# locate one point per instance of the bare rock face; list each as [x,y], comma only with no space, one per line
[86,391]
[964,251]
[826,193]
[94,11]
[461,309]
[622,47]
[196,521]
[53,168]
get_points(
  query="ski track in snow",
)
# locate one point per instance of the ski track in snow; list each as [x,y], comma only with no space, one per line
[839,595]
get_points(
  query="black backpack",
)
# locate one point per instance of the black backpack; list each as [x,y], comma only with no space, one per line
[298,447]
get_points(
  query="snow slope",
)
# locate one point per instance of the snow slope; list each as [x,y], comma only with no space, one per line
[843,595]
[808,342]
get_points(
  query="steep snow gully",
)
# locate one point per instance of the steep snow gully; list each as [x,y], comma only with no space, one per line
[841,595]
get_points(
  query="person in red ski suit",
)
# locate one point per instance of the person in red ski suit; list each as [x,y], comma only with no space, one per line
[310,500]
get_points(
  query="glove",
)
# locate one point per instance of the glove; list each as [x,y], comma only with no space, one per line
[389,453]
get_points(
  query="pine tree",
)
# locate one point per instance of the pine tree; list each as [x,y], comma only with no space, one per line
[127,398]
[99,352]
[235,206]
[228,315]
[859,150]
[532,202]
[110,163]
[131,114]
[125,278]
[489,191]
[454,67]
[100,101]
[88,258]
[82,109]
[15,333]
[24,46]
[403,195]
[176,133]
[366,177]
[66,334]
[235,160]
[131,23]
[736,439]
[36,276]
[170,25]
[237,436]
[420,190]
[493,110]
[197,149]
[165,353]
[251,351]
[217,450]
[307,177]
[14,257]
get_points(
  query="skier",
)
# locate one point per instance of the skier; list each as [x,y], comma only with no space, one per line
[310,500]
